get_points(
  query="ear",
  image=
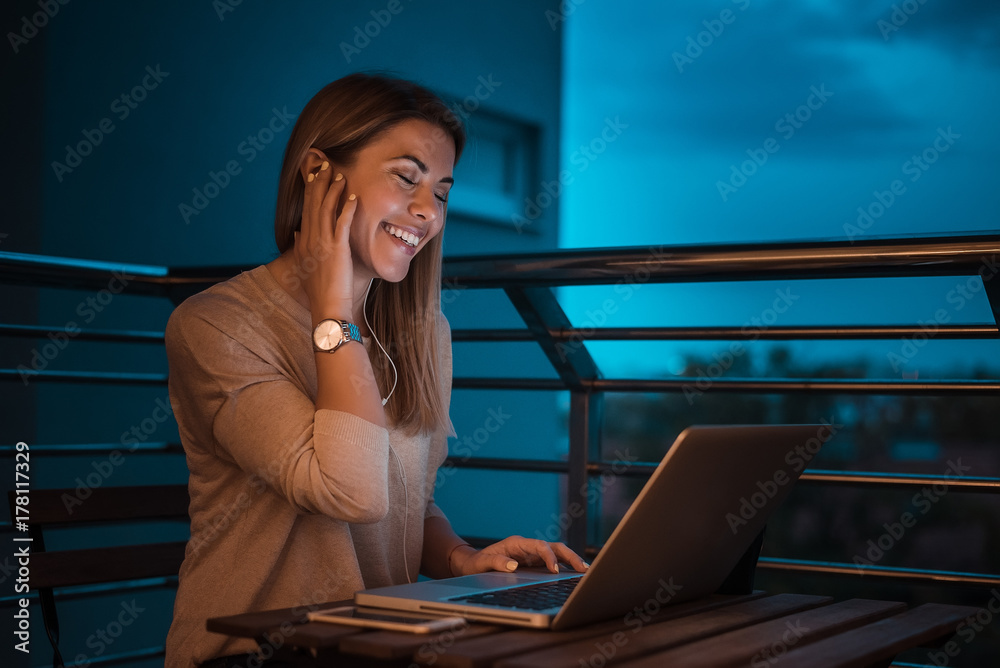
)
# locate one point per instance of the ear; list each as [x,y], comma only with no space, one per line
[311,162]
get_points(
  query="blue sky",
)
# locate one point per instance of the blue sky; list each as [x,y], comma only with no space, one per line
[700,88]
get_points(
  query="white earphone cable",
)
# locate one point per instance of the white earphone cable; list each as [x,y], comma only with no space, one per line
[395,374]
[406,509]
[399,464]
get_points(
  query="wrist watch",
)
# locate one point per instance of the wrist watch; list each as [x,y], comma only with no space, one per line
[331,334]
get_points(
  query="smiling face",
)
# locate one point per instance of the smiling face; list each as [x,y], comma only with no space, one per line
[402,180]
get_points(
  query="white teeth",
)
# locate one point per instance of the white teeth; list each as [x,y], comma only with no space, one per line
[407,237]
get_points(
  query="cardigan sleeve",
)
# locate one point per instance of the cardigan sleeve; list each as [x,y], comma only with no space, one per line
[244,410]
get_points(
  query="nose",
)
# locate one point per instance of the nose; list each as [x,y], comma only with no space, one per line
[424,205]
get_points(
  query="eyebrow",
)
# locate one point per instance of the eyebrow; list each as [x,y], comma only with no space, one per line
[421,166]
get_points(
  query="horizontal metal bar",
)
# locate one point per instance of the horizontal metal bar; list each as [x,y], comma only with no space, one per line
[67,266]
[8,526]
[74,449]
[906,481]
[466,383]
[88,591]
[119,336]
[89,377]
[779,386]
[76,274]
[776,333]
[504,464]
[498,335]
[911,575]
[130,656]
[627,470]
[595,334]
[744,385]
[873,257]
[802,333]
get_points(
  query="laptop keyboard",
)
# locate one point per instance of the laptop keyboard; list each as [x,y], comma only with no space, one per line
[529,597]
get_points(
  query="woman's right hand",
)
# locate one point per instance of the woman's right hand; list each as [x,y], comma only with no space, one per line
[322,254]
[322,249]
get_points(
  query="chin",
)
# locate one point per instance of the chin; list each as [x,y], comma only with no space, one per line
[394,274]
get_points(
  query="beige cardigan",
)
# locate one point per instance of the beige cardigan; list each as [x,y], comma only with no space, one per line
[290,505]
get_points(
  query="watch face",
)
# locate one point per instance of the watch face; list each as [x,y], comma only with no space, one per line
[328,335]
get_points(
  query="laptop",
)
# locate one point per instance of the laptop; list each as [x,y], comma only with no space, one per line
[698,513]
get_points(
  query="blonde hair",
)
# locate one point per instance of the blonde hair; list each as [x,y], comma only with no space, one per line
[340,120]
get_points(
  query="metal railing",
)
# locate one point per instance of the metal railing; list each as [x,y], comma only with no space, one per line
[528,279]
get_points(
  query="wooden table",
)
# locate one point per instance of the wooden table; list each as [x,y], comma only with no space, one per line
[757,630]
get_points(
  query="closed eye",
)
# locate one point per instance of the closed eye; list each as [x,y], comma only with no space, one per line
[408,182]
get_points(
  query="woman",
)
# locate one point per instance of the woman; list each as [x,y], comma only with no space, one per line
[312,393]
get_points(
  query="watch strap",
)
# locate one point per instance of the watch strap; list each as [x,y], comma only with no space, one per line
[351,331]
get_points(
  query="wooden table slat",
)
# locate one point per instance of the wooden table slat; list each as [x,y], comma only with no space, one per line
[882,640]
[255,624]
[710,631]
[480,652]
[318,635]
[765,643]
[652,638]
[395,645]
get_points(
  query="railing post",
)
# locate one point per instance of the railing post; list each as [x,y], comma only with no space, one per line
[992,286]
[585,419]
[572,361]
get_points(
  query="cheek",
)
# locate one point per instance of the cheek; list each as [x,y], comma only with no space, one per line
[366,217]
[439,227]
[360,230]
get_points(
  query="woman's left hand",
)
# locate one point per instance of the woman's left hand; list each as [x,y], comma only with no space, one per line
[512,552]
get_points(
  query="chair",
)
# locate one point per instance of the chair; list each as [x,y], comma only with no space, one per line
[50,508]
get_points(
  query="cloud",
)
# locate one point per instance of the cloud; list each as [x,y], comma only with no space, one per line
[723,81]
[969,28]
